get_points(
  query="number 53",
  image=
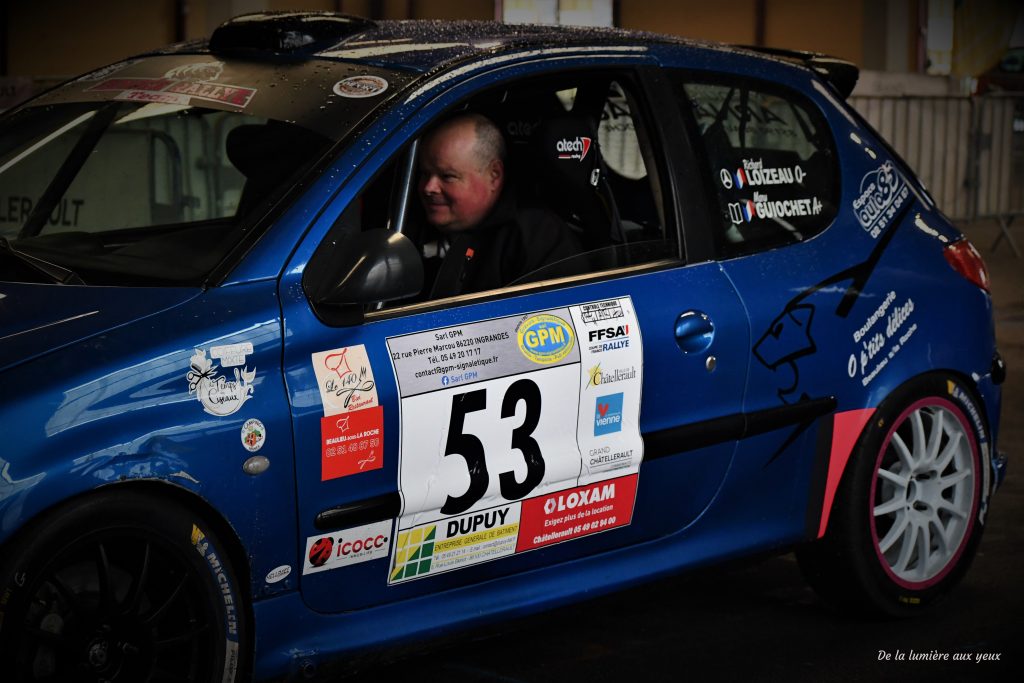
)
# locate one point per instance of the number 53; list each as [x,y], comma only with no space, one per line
[471,449]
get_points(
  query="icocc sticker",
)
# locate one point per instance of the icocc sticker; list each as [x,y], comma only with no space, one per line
[509,476]
[348,547]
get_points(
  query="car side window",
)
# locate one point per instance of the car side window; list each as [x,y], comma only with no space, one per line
[771,158]
[577,158]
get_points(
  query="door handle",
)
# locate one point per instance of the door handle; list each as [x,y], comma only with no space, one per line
[694,331]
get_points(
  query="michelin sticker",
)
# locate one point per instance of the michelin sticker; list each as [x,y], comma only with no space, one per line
[509,473]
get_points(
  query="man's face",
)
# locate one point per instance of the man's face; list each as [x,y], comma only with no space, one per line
[457,187]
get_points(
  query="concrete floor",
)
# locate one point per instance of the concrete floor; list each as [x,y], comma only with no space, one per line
[759,621]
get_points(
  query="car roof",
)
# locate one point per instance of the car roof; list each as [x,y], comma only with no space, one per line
[431,46]
[414,45]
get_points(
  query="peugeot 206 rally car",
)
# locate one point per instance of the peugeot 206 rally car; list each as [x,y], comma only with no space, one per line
[242,438]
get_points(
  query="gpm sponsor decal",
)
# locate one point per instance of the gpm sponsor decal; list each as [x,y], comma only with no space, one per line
[545,339]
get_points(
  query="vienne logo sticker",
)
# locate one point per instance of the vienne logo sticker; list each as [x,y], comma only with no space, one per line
[545,339]
[608,414]
[219,395]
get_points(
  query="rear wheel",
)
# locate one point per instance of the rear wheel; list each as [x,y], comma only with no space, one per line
[122,587]
[909,513]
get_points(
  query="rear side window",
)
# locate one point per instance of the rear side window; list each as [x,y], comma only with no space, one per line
[770,157]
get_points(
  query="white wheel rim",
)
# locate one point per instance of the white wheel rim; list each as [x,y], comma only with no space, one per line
[923,493]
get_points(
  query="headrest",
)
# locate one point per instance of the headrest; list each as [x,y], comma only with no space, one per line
[568,149]
[272,150]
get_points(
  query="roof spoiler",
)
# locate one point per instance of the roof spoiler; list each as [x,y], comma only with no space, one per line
[285,34]
[840,74]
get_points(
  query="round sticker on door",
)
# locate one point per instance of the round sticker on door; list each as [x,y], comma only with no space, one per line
[360,86]
[545,338]
[253,435]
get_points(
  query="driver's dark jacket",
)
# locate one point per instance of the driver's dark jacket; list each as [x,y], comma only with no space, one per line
[511,242]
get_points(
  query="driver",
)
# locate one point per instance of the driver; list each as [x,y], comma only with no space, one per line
[491,240]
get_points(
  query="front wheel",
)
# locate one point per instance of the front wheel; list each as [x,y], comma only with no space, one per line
[121,587]
[909,513]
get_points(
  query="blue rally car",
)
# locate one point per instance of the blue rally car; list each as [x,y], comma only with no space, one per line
[251,427]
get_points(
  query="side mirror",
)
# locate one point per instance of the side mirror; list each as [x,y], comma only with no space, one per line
[374,266]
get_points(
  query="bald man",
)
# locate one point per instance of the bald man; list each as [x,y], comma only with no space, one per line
[493,241]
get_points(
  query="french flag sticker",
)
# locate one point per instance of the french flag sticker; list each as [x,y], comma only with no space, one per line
[741,178]
[748,210]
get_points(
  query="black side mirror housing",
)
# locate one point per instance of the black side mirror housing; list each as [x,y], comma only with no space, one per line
[375,266]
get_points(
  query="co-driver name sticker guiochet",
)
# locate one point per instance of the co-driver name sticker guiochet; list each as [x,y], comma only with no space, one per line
[509,476]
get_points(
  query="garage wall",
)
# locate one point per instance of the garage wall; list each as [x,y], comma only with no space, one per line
[52,38]
[726,21]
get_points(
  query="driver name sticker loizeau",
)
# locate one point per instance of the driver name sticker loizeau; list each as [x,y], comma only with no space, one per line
[516,433]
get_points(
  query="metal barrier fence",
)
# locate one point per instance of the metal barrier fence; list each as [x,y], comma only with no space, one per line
[969,151]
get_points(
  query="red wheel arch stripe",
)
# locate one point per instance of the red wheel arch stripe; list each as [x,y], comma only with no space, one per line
[846,429]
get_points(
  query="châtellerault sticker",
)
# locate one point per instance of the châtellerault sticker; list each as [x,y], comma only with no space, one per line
[352,429]
[507,476]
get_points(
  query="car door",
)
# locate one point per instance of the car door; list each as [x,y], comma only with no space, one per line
[455,441]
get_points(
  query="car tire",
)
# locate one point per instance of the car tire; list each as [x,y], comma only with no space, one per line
[910,509]
[121,586]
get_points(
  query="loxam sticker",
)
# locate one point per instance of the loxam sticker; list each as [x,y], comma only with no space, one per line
[508,476]
[218,395]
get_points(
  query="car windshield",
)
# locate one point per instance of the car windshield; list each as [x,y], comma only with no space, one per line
[150,172]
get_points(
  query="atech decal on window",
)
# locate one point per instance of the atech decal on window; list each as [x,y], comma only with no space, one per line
[510,473]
